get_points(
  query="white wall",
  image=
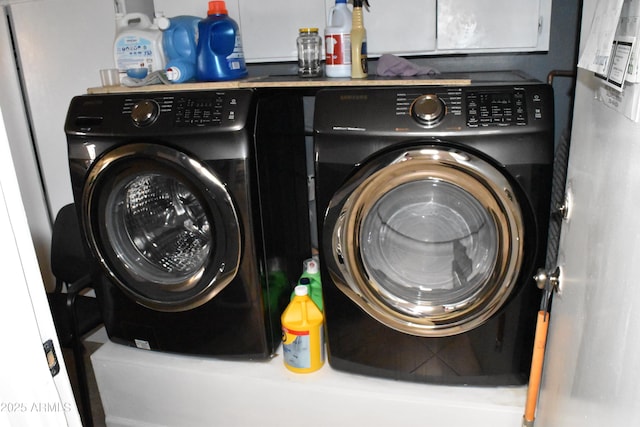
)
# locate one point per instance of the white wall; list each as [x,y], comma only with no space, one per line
[61,46]
[18,131]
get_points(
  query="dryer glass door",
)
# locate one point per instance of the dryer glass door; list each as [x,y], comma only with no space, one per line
[163,226]
[428,241]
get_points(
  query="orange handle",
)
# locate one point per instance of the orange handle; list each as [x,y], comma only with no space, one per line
[536,365]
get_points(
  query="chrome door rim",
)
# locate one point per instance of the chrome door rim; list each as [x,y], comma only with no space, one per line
[191,292]
[471,173]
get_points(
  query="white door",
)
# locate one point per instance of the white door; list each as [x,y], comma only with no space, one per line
[591,369]
[29,395]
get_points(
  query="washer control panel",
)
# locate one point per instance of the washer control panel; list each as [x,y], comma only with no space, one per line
[144,112]
[204,109]
[199,111]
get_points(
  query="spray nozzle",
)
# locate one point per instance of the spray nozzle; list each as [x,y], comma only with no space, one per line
[359,3]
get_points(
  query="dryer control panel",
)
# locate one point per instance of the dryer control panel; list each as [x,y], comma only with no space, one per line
[502,108]
[437,110]
[483,108]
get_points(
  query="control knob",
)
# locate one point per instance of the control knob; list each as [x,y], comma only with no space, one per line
[144,113]
[428,110]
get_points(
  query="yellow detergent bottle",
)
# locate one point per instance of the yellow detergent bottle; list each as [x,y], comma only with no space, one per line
[302,333]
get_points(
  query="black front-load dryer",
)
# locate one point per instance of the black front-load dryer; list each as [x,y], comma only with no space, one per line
[434,205]
[185,224]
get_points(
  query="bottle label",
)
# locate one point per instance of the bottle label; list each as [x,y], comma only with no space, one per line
[363,57]
[236,59]
[134,52]
[296,348]
[338,48]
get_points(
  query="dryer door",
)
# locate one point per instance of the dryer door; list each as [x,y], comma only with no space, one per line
[428,241]
[162,225]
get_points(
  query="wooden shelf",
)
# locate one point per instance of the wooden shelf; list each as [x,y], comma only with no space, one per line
[290,81]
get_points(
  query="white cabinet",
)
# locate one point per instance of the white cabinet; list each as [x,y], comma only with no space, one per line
[401,28]
[487,25]
[409,27]
[269,28]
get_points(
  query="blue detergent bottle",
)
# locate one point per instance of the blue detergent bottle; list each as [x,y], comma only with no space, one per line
[219,52]
[179,41]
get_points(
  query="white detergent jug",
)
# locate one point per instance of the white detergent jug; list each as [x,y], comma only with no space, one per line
[337,36]
[138,45]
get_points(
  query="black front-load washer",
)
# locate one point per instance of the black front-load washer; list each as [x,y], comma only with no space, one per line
[434,206]
[187,221]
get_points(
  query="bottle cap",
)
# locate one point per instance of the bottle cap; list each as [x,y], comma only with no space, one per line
[217,7]
[312,267]
[304,281]
[308,30]
[301,290]
[173,74]
[163,22]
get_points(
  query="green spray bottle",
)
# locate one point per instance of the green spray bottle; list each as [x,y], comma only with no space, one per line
[310,278]
[359,68]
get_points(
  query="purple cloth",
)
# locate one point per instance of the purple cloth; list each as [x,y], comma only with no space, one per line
[391,65]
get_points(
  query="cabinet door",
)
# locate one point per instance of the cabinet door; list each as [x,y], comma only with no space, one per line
[407,27]
[488,24]
[270,28]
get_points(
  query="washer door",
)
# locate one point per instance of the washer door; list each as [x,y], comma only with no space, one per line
[428,241]
[162,225]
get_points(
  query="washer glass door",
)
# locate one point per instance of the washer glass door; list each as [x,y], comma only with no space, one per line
[162,225]
[428,241]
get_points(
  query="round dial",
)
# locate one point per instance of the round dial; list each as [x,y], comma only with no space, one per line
[428,109]
[145,112]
